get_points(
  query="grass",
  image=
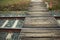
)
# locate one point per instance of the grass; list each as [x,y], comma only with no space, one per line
[14,5]
[7,2]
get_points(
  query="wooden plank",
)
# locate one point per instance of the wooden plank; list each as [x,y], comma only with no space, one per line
[39,14]
[40,35]
[40,39]
[38,22]
[39,30]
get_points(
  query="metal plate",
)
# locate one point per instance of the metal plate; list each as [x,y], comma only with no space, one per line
[37,22]
[9,36]
[3,35]
[38,14]
[20,24]
[11,23]
[1,22]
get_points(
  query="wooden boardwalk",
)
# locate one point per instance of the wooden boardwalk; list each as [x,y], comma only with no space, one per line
[36,24]
[39,17]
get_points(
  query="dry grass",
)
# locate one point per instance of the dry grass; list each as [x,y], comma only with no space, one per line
[14,5]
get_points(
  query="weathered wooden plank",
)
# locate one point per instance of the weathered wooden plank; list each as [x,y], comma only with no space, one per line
[40,30]
[37,7]
[40,39]
[38,14]
[38,10]
[38,22]
[39,35]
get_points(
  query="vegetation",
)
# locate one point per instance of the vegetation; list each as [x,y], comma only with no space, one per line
[18,5]
[14,5]
[55,4]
